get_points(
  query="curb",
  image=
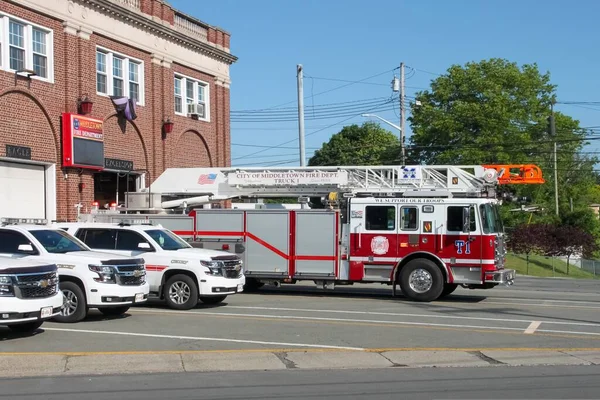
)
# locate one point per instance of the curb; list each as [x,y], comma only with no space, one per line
[21,365]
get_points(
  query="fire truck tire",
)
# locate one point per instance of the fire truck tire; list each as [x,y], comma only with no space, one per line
[27,327]
[448,289]
[75,304]
[181,292]
[421,280]
[212,299]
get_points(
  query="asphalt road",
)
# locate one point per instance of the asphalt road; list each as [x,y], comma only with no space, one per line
[559,313]
[397,383]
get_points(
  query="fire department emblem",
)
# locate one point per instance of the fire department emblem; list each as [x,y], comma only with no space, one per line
[380,245]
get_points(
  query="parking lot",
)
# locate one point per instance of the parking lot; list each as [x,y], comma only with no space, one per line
[535,315]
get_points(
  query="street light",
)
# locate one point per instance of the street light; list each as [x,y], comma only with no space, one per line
[395,126]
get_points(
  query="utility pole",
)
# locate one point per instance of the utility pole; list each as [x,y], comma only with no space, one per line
[402,112]
[553,134]
[301,115]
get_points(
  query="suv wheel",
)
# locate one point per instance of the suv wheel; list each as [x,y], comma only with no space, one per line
[75,308]
[181,292]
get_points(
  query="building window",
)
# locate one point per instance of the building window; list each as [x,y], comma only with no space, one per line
[191,97]
[24,45]
[119,75]
[178,97]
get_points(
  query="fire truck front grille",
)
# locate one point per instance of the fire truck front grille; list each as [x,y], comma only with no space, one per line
[36,286]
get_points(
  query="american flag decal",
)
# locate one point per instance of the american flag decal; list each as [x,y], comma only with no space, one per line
[205,179]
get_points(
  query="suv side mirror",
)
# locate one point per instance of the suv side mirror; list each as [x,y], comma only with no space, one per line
[466,228]
[25,248]
[144,246]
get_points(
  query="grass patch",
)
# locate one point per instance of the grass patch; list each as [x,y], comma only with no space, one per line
[545,267]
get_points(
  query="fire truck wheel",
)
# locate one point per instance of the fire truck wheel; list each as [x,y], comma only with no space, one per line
[448,289]
[181,292]
[421,280]
[212,299]
[75,307]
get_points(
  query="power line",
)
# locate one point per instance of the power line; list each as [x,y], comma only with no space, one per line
[334,89]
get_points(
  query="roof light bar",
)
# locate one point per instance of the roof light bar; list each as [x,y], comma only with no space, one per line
[27,221]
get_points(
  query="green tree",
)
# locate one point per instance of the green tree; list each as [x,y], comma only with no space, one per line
[368,144]
[495,112]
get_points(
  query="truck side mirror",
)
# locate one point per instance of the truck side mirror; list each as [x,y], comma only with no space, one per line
[466,228]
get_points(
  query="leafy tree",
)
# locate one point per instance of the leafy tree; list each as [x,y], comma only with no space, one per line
[568,240]
[528,238]
[368,144]
[495,112]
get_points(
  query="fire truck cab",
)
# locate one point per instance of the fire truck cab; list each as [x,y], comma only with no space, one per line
[424,229]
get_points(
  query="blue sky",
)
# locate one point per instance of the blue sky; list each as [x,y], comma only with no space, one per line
[351,40]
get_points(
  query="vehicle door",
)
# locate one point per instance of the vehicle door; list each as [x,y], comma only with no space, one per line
[373,240]
[14,244]
[462,244]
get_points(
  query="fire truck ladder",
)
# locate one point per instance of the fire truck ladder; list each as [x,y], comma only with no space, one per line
[200,185]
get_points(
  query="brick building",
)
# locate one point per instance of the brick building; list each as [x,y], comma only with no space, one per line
[58,58]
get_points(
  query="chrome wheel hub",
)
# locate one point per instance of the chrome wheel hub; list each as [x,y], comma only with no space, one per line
[179,292]
[70,303]
[420,280]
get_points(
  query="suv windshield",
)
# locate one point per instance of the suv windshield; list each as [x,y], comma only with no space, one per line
[57,241]
[167,240]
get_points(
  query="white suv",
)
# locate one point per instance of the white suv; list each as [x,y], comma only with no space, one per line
[88,279]
[178,273]
[29,294]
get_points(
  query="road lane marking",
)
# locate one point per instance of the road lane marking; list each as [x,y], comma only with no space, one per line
[596,325]
[327,319]
[292,350]
[532,327]
[523,304]
[207,339]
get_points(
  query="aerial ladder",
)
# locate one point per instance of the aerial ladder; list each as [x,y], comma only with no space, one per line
[178,188]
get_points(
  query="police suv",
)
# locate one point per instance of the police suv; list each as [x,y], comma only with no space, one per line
[88,279]
[178,273]
[29,294]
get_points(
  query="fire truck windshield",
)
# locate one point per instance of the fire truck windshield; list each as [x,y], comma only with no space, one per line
[490,218]
[57,241]
[167,240]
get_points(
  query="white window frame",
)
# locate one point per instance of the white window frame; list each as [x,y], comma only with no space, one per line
[28,40]
[184,81]
[110,54]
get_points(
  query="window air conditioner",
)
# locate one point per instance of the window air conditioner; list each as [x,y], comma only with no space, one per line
[196,110]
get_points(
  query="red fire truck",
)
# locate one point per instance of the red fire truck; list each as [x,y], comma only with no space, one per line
[424,229]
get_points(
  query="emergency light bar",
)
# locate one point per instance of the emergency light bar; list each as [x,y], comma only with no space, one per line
[125,222]
[30,221]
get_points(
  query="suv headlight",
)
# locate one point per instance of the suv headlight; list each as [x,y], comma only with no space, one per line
[105,273]
[6,286]
[214,267]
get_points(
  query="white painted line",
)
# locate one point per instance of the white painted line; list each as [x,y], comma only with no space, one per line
[532,327]
[432,316]
[569,332]
[208,339]
[328,319]
[536,305]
